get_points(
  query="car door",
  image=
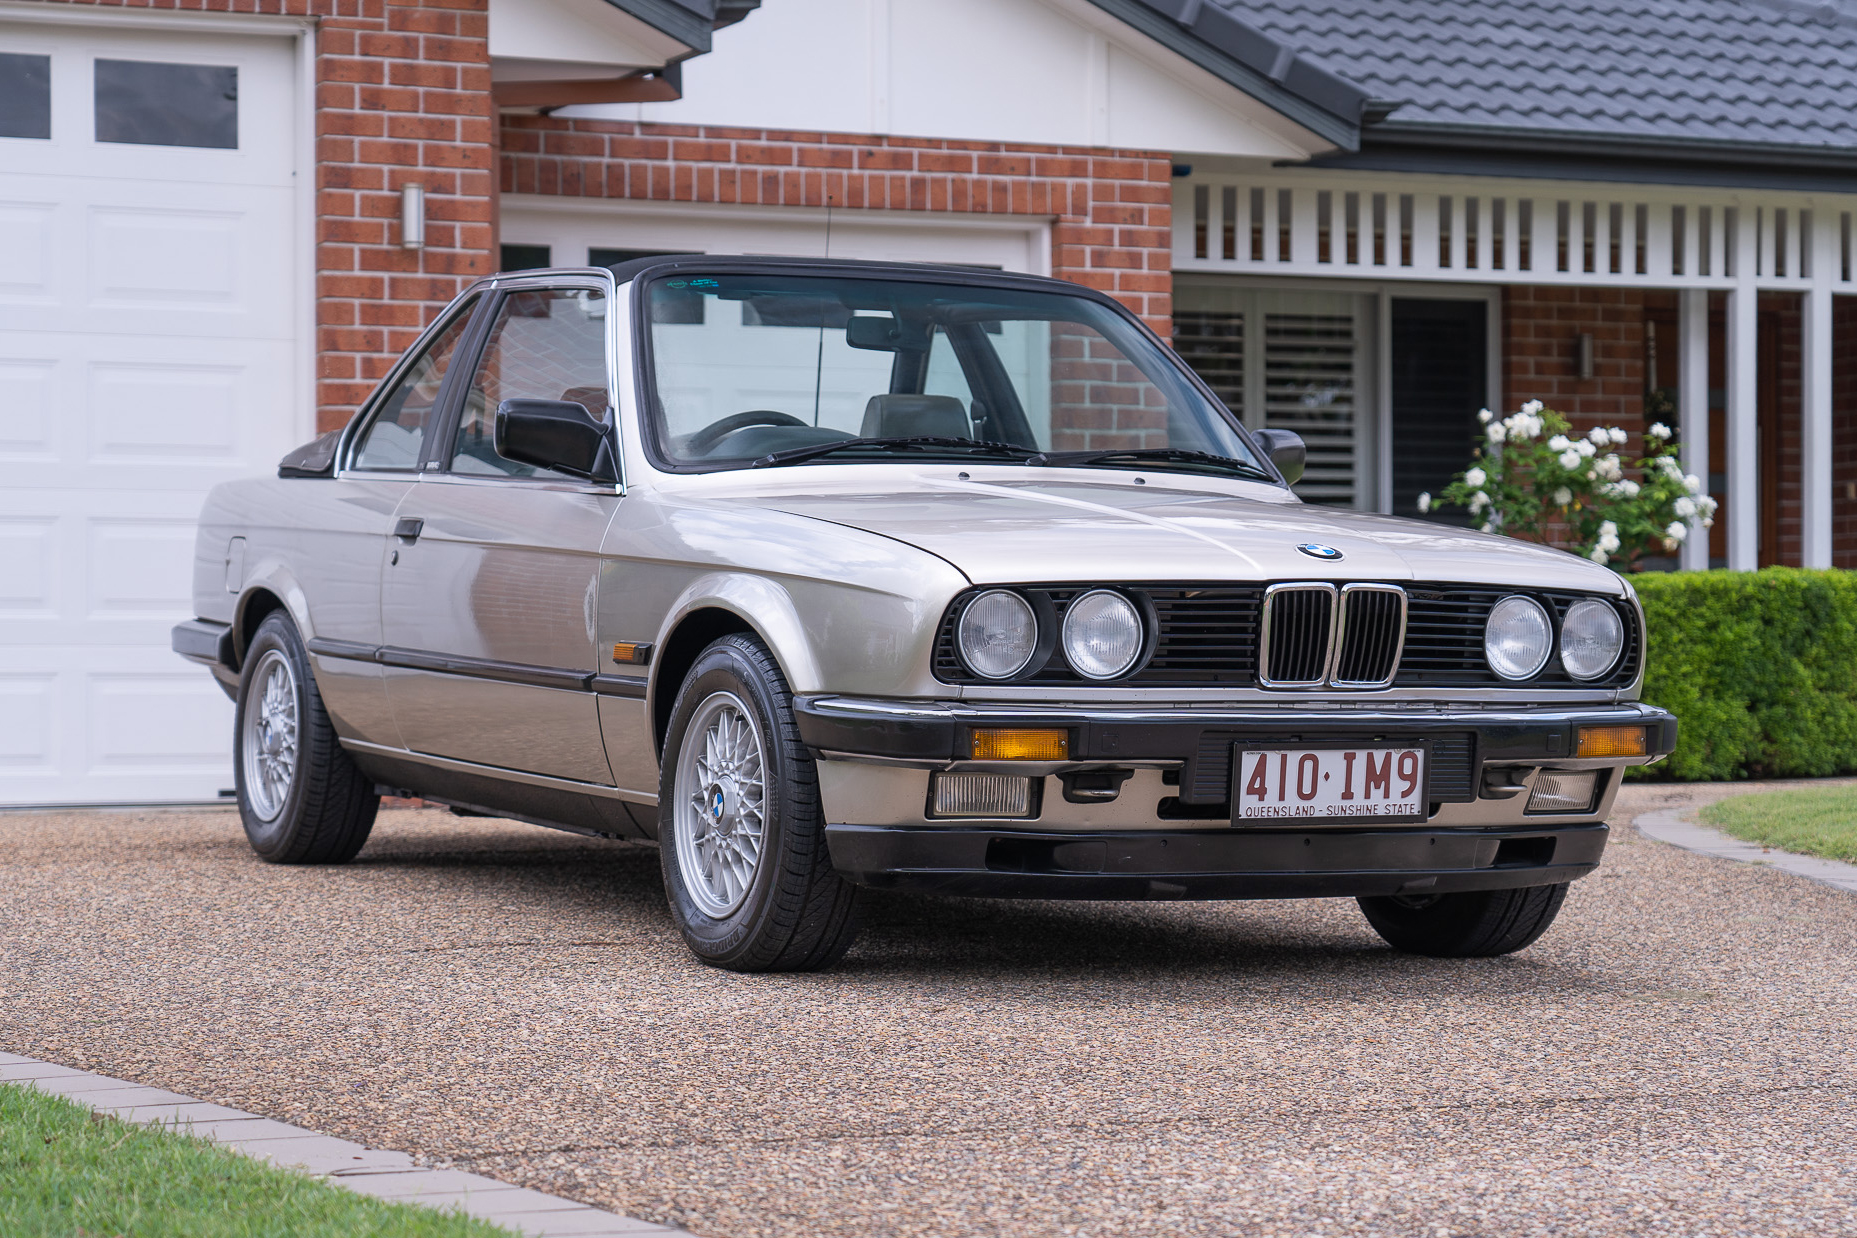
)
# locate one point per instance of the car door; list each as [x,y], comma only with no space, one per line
[335,541]
[487,596]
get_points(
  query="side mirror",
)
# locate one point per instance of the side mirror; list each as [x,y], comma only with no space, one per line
[555,434]
[1286,450]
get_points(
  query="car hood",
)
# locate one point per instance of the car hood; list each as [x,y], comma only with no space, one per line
[1071,528]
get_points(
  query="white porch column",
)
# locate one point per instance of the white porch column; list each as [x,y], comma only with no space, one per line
[1815,361]
[1693,406]
[1743,463]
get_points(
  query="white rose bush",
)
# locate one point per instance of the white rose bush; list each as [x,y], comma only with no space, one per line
[1534,478]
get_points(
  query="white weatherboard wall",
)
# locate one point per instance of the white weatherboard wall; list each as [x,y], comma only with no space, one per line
[1053,72]
[148,349]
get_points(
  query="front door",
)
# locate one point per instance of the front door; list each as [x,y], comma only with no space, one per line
[487,597]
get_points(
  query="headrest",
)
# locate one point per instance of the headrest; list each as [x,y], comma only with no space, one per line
[914,416]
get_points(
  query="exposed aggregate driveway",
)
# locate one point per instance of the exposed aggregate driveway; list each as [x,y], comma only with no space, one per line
[1675,1057]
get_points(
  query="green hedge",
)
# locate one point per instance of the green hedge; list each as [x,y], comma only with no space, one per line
[1760,669]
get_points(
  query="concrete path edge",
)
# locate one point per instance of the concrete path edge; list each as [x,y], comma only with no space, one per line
[1668,826]
[366,1171]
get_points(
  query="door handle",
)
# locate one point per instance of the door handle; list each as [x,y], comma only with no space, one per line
[409,528]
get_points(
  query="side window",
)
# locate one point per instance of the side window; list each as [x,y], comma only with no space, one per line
[546,344]
[394,439]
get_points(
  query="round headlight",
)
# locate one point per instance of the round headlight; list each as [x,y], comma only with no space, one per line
[1517,638]
[1591,638]
[997,634]
[1102,634]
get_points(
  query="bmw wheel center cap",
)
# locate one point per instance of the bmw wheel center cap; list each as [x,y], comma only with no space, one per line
[1326,553]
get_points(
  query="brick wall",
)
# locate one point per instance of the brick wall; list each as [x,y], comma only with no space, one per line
[402,95]
[1540,326]
[1112,209]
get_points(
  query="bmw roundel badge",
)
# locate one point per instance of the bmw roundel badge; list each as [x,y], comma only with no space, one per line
[1326,553]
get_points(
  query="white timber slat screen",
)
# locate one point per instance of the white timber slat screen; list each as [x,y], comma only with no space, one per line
[1475,230]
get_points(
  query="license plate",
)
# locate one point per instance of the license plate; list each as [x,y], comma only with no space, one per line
[1301,783]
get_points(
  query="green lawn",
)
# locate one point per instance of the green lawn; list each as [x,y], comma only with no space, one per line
[1818,821]
[68,1173]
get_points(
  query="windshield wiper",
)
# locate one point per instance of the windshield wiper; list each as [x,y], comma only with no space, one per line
[1180,455]
[797,455]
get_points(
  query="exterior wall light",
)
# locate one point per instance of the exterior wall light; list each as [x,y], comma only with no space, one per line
[412,216]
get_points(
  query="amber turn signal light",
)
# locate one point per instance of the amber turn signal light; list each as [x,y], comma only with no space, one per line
[1020,744]
[1612,741]
[631,653]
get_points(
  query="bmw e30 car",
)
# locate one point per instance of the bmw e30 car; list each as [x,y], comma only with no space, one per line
[835,575]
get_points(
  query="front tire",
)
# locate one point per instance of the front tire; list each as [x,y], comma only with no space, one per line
[1477,924]
[301,799]
[742,836]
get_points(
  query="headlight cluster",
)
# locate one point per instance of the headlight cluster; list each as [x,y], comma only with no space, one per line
[1102,634]
[1518,638]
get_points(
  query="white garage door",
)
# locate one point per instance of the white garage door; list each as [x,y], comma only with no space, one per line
[148,350]
[550,231]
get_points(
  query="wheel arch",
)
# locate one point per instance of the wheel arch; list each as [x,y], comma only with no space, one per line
[713,609]
[267,591]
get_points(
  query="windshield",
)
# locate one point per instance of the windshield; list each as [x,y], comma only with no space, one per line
[753,366]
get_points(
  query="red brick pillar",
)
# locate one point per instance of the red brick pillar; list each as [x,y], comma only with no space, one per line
[402,95]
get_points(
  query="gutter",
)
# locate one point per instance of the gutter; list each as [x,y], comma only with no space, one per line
[1477,150]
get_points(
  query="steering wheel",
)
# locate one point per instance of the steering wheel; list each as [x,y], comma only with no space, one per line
[716,431]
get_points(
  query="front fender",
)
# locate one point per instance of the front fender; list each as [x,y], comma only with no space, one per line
[764,606]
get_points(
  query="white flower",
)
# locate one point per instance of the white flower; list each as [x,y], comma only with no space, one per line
[1693,484]
[1560,442]
[1618,435]
[1533,407]
[1659,430]
[1570,459]
[1598,555]
[1669,466]
[1599,435]
[1608,528]
[1496,432]
[1474,478]
[1478,501]
[1685,507]
[1609,469]
[1609,544]
[1484,415]
[1424,501]
[1486,527]
[1708,524]
[1630,487]
[1707,504]
[1586,448]
[1562,497]
[1677,531]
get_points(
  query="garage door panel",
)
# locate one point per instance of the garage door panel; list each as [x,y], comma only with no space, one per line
[29,730]
[137,568]
[28,425]
[28,566]
[28,244]
[149,303]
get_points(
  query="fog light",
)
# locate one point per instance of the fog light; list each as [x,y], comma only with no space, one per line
[982,795]
[1612,741]
[1020,744]
[1564,790]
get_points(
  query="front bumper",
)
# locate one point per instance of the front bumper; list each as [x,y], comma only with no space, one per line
[1210,864]
[1169,833]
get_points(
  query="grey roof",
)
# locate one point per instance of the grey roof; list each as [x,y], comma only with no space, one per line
[1764,72]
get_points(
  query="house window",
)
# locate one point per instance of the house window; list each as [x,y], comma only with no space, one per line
[1292,361]
[1380,430]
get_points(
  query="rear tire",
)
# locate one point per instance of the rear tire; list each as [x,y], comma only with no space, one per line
[741,832]
[301,799]
[1477,924]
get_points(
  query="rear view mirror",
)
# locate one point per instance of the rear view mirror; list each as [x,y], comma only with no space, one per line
[1286,450]
[883,333]
[555,434]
